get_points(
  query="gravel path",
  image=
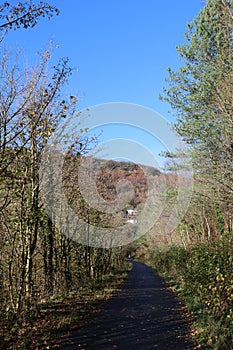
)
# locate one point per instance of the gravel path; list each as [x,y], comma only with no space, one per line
[145,315]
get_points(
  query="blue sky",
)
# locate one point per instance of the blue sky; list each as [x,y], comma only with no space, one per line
[119,48]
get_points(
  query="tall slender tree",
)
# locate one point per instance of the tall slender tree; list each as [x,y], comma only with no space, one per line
[201,95]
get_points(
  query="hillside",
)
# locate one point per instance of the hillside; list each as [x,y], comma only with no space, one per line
[114,172]
[108,178]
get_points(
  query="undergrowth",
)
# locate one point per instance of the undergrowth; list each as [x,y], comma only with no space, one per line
[43,324]
[203,276]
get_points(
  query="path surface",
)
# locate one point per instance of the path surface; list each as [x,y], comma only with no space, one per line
[144,316]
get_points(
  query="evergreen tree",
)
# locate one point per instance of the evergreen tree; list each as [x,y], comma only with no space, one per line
[201,94]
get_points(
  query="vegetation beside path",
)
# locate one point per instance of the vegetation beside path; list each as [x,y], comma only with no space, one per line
[202,275]
[53,319]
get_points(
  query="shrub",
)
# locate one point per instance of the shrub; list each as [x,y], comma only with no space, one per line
[203,274]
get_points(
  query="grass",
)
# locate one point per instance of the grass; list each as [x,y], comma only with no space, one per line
[57,317]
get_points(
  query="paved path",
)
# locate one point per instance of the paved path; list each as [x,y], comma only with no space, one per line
[144,316]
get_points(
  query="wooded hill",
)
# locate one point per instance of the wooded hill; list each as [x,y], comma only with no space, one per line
[111,172]
[111,180]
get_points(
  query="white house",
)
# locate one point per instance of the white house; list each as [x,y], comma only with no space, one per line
[131,212]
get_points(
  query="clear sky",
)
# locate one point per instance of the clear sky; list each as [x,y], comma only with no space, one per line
[121,48]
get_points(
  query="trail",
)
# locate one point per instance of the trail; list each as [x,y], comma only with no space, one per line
[145,315]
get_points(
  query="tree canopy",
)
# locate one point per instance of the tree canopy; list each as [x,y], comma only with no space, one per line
[200,93]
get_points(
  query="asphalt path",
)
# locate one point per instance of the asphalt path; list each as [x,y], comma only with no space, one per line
[145,315]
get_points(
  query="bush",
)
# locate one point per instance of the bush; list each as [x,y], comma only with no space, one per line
[203,274]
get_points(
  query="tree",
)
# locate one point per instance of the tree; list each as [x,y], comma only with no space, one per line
[31,108]
[36,259]
[24,15]
[201,94]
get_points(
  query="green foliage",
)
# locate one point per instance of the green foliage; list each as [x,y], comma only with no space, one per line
[195,91]
[203,275]
[200,93]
